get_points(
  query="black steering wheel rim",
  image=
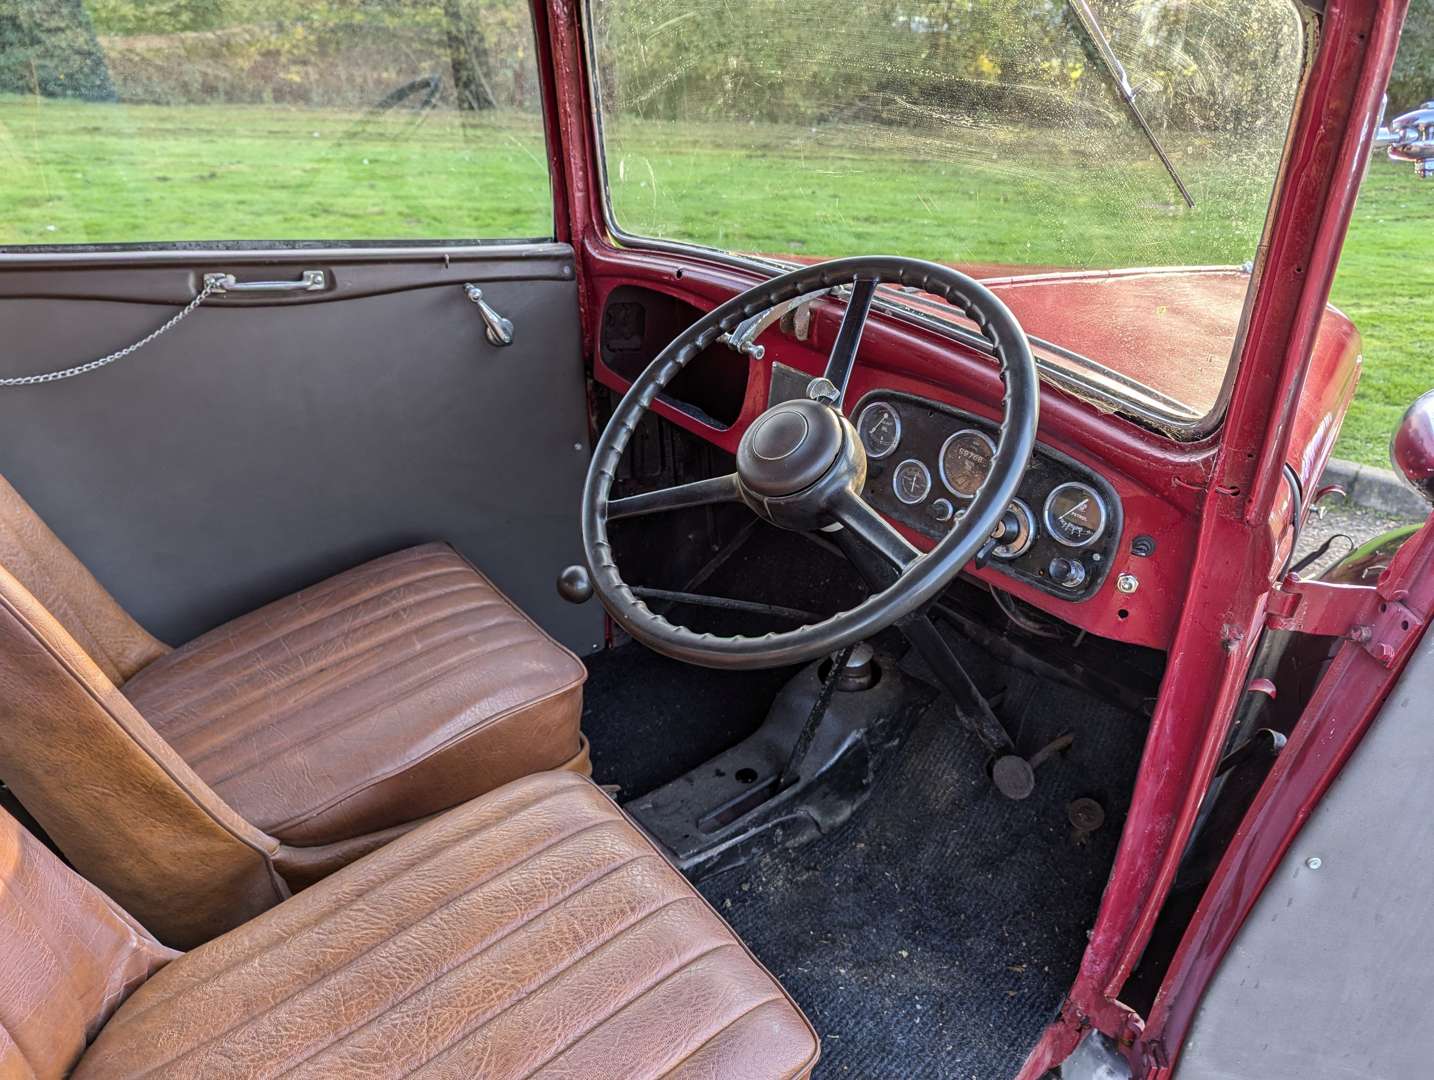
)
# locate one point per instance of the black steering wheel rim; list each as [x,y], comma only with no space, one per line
[922,579]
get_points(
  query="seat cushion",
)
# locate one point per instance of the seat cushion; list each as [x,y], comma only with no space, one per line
[534,932]
[395,690]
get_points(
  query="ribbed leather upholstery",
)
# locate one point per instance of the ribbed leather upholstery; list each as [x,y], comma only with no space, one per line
[48,569]
[533,932]
[68,957]
[126,810]
[388,693]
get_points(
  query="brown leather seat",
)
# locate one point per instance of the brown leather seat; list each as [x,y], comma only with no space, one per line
[383,695]
[200,785]
[532,932]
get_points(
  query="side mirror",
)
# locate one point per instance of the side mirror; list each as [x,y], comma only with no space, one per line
[1411,138]
[1412,448]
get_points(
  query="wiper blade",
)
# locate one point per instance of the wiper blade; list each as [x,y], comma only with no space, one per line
[1096,36]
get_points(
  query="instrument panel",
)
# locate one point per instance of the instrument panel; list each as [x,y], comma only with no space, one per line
[926,461]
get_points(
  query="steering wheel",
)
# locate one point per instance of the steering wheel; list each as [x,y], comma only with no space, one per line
[801,466]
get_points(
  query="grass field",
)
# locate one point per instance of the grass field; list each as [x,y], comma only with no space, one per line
[83,173]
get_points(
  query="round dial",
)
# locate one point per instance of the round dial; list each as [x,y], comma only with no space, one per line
[911,481]
[880,429]
[965,461]
[1024,538]
[1075,514]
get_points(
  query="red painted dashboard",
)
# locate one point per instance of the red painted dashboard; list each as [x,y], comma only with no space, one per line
[1159,482]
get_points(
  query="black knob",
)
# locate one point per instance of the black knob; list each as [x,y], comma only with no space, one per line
[1068,573]
[574,584]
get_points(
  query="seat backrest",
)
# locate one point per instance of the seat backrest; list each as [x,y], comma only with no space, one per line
[68,957]
[125,809]
[117,644]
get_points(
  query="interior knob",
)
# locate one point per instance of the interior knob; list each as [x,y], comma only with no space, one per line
[574,584]
[1067,573]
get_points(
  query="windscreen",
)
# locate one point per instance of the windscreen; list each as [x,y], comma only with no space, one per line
[1106,165]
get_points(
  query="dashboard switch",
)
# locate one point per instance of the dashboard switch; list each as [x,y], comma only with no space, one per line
[942,510]
[1067,573]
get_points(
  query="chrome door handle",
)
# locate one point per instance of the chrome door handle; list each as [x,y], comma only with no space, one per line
[498,329]
[311,281]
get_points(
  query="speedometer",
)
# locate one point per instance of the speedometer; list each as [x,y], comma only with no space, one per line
[1075,514]
[965,461]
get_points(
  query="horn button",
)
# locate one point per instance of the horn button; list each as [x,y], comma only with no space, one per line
[789,448]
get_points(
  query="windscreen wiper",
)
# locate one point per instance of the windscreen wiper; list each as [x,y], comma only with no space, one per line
[1098,41]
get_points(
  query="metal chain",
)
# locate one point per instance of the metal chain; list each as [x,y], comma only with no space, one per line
[210,287]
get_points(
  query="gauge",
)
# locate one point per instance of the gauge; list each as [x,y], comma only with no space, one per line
[911,481]
[1025,533]
[1075,514]
[880,429]
[965,461]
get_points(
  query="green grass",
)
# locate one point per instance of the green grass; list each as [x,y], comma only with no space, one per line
[85,173]
[79,173]
[1386,287]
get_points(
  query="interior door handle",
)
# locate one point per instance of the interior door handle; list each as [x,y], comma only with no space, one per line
[311,281]
[499,329]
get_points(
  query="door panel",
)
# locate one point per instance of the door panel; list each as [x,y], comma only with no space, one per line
[264,444]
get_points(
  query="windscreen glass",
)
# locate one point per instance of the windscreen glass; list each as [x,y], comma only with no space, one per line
[1106,165]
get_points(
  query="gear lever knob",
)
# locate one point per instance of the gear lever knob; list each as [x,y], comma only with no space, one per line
[574,584]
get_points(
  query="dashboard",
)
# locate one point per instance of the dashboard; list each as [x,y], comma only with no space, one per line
[1133,540]
[926,461]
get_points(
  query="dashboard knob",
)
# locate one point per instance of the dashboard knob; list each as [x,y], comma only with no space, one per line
[1068,573]
[942,510]
[574,584]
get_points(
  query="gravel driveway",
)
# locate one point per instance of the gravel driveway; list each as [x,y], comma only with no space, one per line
[1339,522]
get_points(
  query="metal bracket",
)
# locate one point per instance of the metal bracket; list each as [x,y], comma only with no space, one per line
[1382,625]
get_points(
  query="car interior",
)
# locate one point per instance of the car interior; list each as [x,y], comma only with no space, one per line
[587,656]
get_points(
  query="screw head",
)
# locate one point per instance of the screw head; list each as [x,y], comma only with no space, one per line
[1314,862]
[1127,582]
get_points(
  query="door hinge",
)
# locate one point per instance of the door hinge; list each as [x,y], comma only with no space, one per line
[1382,625]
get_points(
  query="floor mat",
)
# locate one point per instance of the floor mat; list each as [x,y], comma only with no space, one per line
[650,719]
[935,934]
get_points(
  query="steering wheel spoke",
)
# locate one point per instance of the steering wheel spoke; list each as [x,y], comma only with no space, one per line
[848,340]
[867,525]
[719,489]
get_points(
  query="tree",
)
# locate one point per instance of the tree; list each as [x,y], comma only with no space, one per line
[468,55]
[48,47]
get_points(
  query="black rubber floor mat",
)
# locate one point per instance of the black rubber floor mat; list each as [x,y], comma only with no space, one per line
[651,719]
[935,934]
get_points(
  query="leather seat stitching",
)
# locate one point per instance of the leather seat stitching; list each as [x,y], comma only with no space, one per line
[330,976]
[525,617]
[317,734]
[211,680]
[527,995]
[268,721]
[717,1035]
[616,1011]
[455,963]
[644,838]
[443,747]
[88,691]
[326,914]
[471,956]
[177,662]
